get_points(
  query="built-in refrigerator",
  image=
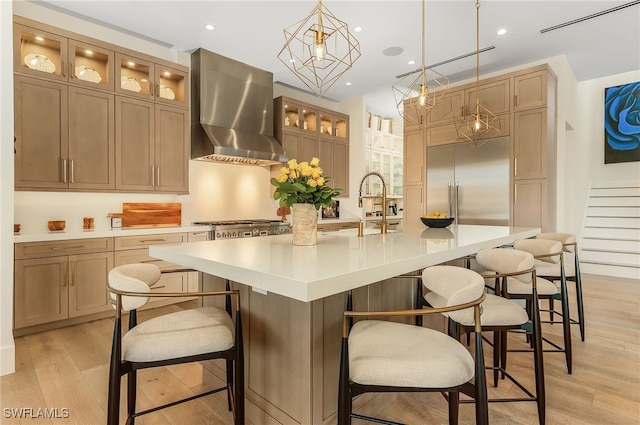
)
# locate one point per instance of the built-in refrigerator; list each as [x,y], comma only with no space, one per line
[470,183]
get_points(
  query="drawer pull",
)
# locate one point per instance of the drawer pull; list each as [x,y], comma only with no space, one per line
[158,287]
[151,261]
[55,248]
[152,240]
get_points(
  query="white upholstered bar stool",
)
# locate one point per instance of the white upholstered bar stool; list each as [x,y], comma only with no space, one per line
[181,337]
[548,251]
[383,356]
[501,314]
[571,269]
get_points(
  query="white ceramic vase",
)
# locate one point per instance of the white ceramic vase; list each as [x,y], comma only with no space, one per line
[304,224]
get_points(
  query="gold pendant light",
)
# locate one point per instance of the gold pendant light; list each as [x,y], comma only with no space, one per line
[319,49]
[477,125]
[415,96]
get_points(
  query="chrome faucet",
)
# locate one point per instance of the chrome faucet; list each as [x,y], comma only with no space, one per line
[383,223]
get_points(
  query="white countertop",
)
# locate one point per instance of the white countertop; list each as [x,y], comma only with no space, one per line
[339,262]
[129,231]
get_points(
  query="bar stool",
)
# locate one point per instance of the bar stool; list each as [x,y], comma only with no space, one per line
[572,272]
[181,337]
[548,251]
[383,356]
[500,314]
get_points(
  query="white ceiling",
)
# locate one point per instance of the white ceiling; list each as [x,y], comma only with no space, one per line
[252,32]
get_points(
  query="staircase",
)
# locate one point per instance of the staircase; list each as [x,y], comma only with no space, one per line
[610,243]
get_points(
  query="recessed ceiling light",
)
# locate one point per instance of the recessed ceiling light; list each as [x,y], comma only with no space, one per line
[167,74]
[357,29]
[130,63]
[411,62]
[39,38]
[209,27]
[502,31]
[349,83]
[88,52]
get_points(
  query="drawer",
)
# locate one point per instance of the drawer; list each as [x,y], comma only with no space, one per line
[69,247]
[143,241]
[140,256]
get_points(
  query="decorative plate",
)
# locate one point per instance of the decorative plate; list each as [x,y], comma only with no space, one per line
[131,84]
[88,74]
[40,63]
[166,92]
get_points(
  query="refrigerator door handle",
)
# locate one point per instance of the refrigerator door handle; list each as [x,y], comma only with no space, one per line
[456,200]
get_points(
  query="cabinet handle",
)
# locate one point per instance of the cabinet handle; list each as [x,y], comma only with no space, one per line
[64,171]
[515,193]
[158,176]
[515,167]
[62,69]
[151,261]
[55,248]
[153,176]
[71,179]
[64,275]
[157,90]
[73,273]
[151,240]
[515,100]
[151,89]
[72,73]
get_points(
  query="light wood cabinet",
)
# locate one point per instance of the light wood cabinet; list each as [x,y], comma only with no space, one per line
[326,226]
[148,80]
[64,136]
[415,158]
[68,122]
[530,207]
[530,144]
[152,147]
[54,281]
[334,160]
[44,54]
[135,249]
[414,205]
[307,131]
[41,133]
[534,89]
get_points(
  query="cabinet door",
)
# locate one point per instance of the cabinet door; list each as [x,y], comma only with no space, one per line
[530,144]
[530,90]
[88,275]
[413,204]
[442,135]
[39,53]
[134,144]
[449,107]
[41,133]
[530,203]
[493,96]
[414,157]
[91,66]
[341,167]
[171,149]
[171,86]
[302,147]
[91,139]
[41,291]
[134,76]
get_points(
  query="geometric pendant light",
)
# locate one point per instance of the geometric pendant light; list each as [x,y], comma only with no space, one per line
[474,125]
[416,95]
[319,49]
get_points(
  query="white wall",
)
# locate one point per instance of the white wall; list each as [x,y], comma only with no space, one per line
[7,347]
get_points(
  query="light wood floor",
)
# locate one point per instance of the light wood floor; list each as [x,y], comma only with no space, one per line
[67,369]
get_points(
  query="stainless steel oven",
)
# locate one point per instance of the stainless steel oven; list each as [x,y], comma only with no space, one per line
[233,229]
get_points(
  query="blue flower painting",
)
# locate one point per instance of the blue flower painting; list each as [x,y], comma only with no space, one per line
[622,123]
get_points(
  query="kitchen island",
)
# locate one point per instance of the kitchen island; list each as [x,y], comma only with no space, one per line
[293,298]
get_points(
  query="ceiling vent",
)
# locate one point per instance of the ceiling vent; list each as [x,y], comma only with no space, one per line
[592,16]
[444,62]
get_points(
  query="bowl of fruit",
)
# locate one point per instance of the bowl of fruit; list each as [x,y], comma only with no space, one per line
[436,219]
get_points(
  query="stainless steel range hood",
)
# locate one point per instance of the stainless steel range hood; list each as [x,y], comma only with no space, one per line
[232,112]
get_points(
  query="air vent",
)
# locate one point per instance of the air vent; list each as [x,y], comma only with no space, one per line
[444,62]
[586,18]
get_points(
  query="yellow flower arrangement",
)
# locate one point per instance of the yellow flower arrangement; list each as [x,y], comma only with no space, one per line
[303,183]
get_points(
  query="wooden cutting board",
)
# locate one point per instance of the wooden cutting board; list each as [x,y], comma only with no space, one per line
[140,214]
